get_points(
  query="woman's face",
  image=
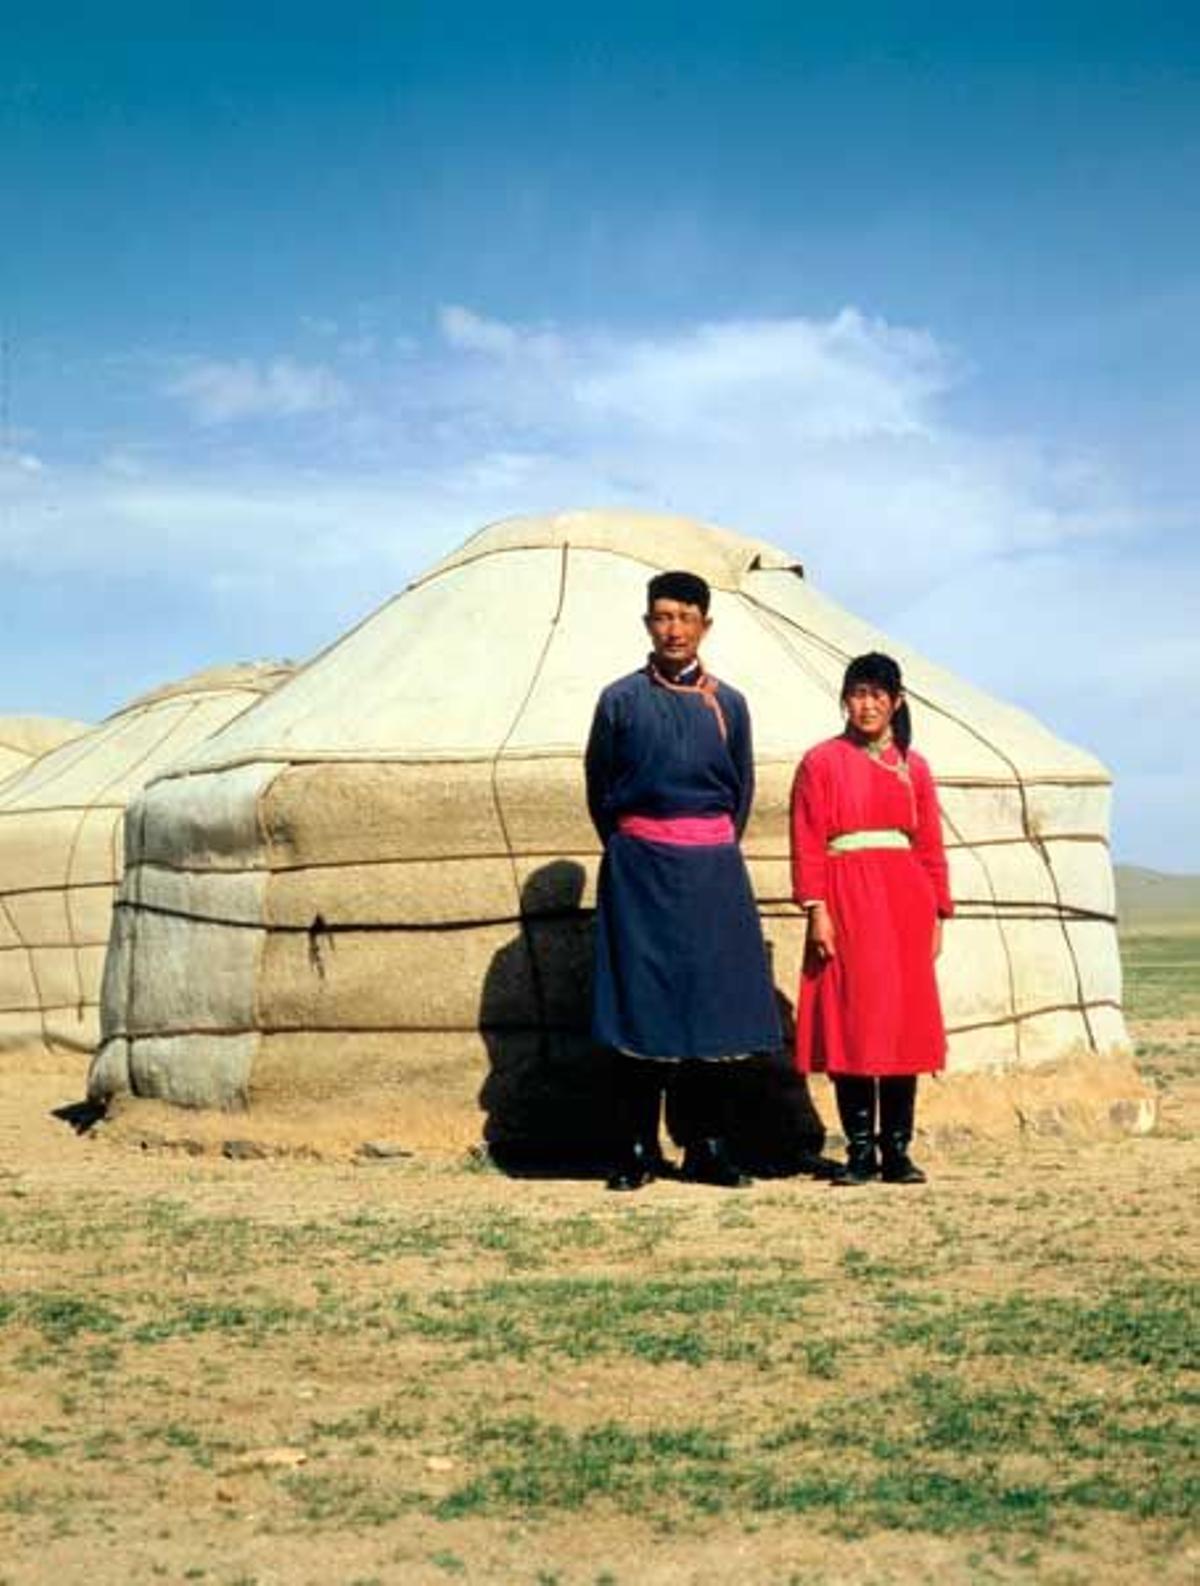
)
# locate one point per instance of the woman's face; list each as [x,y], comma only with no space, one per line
[869,709]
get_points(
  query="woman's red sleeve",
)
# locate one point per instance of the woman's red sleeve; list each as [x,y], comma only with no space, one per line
[928,841]
[810,828]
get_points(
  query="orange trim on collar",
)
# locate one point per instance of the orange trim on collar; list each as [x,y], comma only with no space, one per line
[705,686]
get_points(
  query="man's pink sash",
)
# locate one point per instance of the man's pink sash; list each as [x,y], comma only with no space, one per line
[685,831]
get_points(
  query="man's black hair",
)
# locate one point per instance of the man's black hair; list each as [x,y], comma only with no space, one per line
[688,588]
[877,670]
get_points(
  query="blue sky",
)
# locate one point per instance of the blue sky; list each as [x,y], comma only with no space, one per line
[911,289]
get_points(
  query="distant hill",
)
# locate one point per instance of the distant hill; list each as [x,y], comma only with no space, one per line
[1147,899]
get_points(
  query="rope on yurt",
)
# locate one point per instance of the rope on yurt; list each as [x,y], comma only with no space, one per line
[52,765]
[21,760]
[125,775]
[33,974]
[1010,968]
[326,928]
[79,749]
[135,906]
[1043,852]
[1019,909]
[527,935]
[1030,1013]
[1036,843]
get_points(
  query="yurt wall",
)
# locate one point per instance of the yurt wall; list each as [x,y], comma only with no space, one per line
[373,889]
[61,849]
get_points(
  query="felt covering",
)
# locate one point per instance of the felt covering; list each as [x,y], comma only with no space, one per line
[394,846]
[24,739]
[61,848]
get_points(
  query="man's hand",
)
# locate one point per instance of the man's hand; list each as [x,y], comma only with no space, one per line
[821,932]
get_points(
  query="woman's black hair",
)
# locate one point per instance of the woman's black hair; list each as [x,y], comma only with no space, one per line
[880,671]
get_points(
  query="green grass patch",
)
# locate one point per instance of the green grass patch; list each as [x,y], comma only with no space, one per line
[60,1318]
[247,1320]
[1149,1324]
[345,1500]
[536,1467]
[694,1320]
[932,1454]
[758,1359]
[1162,976]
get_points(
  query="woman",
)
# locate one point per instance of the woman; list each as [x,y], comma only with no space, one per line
[869,868]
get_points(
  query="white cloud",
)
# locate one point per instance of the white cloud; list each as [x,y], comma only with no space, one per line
[819,381]
[467,331]
[1019,562]
[16,463]
[222,393]
[834,436]
[472,333]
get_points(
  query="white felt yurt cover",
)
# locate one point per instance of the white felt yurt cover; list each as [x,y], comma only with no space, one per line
[376,882]
[61,854]
[24,739]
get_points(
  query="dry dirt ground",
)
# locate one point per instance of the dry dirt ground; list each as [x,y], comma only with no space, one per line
[269,1370]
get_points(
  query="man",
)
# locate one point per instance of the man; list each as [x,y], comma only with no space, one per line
[682,987]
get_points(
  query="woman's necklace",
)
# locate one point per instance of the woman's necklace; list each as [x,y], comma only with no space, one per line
[876,748]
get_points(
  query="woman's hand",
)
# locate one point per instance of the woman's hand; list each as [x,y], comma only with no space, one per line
[937,939]
[821,933]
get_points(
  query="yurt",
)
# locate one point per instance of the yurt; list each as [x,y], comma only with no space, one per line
[61,854]
[371,893]
[24,739]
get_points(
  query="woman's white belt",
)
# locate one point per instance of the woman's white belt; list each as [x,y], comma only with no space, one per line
[852,842]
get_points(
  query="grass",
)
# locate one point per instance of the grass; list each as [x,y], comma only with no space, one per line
[933,1454]
[485,1378]
[1162,1000]
[694,1320]
[1162,976]
[1146,1324]
[995,1414]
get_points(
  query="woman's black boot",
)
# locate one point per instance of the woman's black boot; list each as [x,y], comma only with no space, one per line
[856,1110]
[897,1105]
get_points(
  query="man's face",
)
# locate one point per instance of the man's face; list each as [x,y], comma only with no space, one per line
[676,631]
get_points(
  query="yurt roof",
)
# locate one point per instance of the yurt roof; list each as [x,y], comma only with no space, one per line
[655,539]
[104,765]
[24,739]
[500,649]
[256,677]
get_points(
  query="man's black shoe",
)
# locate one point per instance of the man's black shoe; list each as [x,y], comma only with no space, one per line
[635,1169]
[709,1162]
